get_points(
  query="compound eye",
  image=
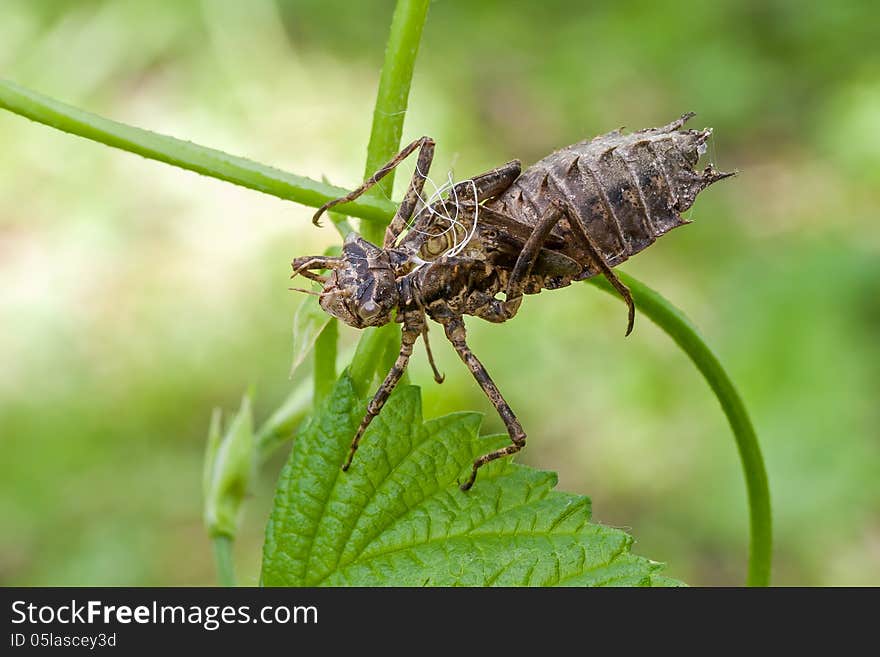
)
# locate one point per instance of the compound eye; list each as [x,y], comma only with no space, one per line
[334,302]
[437,245]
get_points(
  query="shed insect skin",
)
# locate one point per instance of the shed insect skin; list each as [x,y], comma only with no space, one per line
[575,214]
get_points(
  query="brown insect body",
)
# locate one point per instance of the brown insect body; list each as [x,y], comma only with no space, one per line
[626,189]
[575,214]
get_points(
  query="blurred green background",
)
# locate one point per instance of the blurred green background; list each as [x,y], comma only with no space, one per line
[134,297]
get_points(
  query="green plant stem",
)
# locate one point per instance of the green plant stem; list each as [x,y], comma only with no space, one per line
[391,99]
[223,559]
[375,344]
[685,334]
[186,155]
[324,374]
[369,357]
[388,116]
[280,426]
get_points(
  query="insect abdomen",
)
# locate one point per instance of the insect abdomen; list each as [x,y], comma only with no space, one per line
[626,190]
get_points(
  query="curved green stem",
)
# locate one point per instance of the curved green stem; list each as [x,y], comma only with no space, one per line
[186,155]
[685,334]
[223,559]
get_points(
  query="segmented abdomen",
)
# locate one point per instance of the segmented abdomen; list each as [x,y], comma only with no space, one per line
[626,190]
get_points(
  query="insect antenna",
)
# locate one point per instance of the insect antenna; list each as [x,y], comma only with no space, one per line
[305,291]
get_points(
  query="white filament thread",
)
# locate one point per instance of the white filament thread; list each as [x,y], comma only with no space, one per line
[452,222]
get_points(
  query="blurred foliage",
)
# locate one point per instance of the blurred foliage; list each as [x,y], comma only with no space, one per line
[135,297]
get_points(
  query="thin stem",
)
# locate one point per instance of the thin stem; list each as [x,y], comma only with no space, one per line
[223,559]
[685,334]
[325,361]
[186,155]
[282,424]
[369,356]
[280,427]
[391,103]
[391,99]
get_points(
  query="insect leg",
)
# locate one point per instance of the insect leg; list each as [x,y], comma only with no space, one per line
[494,310]
[302,265]
[580,233]
[413,193]
[408,339]
[492,183]
[438,377]
[455,331]
[525,262]
[376,177]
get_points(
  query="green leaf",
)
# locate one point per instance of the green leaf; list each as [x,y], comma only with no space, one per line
[308,322]
[398,517]
[229,464]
